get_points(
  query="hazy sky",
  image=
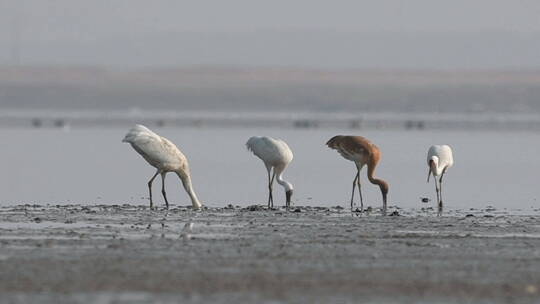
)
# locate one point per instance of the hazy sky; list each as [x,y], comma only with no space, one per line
[175,32]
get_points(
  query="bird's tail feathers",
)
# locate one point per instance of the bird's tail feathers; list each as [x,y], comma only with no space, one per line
[137,130]
[250,144]
[332,142]
[130,136]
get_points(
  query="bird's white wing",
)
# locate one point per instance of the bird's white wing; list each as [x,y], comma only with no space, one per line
[285,151]
[271,151]
[447,156]
[158,151]
[261,147]
[443,153]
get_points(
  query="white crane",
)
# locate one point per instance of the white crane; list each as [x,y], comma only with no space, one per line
[439,159]
[163,155]
[276,155]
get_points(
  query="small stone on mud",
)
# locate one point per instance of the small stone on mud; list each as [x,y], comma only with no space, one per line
[254,208]
[297,210]
[531,289]
[469,215]
[37,220]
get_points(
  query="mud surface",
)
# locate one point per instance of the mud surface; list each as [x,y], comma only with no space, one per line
[130,254]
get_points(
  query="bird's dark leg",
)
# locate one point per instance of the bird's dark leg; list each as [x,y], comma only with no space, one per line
[436,188]
[150,188]
[360,191]
[440,194]
[163,189]
[353,186]
[271,187]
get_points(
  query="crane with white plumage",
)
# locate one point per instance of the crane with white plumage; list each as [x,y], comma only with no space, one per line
[162,154]
[439,160]
[276,156]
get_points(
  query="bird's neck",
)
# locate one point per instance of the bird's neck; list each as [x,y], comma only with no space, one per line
[377,181]
[371,175]
[371,172]
[288,186]
[186,181]
[434,166]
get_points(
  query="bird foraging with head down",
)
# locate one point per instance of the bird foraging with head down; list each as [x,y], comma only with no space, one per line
[439,159]
[362,152]
[276,156]
[162,154]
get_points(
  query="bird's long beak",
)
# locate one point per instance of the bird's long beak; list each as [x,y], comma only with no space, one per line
[431,168]
[288,195]
[384,203]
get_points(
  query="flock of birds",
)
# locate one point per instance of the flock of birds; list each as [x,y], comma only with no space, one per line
[162,154]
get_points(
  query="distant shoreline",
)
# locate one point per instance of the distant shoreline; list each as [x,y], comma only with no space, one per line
[291,90]
[50,118]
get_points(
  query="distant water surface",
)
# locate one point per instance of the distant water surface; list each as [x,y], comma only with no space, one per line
[92,166]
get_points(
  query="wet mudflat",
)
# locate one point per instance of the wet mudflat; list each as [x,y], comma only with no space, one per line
[130,254]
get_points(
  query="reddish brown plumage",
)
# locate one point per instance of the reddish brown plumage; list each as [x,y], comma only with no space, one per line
[363,152]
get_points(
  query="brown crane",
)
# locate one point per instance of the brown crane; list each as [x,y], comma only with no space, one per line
[362,152]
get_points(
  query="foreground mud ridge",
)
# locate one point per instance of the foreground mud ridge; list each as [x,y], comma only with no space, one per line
[126,253]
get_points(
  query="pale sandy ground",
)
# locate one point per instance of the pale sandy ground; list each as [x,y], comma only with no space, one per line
[129,254]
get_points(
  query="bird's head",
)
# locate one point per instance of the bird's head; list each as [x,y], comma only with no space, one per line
[288,193]
[384,190]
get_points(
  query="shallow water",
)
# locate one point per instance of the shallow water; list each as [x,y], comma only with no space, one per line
[93,166]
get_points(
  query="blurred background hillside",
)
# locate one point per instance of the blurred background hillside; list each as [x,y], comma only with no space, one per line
[271,89]
[287,56]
